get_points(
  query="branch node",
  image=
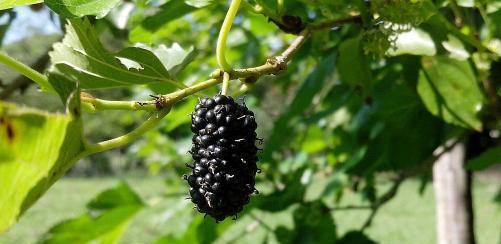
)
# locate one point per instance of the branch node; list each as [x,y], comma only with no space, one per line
[278,63]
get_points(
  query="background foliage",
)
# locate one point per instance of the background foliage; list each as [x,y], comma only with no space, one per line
[360,109]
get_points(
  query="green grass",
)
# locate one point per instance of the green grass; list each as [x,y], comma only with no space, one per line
[408,218]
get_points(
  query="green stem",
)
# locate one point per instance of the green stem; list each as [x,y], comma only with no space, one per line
[223,35]
[174,97]
[95,104]
[91,104]
[149,124]
[168,101]
[226,84]
[25,70]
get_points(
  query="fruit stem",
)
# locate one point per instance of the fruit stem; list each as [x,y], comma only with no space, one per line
[226,84]
[25,70]
[223,35]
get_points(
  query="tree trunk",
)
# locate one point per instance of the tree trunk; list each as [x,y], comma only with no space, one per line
[452,186]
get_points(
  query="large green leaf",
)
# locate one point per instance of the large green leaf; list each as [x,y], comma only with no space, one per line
[116,207]
[449,90]
[81,57]
[6,4]
[80,8]
[36,149]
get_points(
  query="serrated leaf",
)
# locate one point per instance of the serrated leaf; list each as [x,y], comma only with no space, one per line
[174,58]
[81,57]
[450,91]
[80,8]
[40,148]
[118,205]
[6,4]
[484,160]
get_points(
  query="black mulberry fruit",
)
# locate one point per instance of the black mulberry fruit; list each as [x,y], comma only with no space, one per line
[222,177]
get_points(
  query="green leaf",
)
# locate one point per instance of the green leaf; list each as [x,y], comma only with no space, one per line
[112,198]
[313,223]
[352,63]
[120,205]
[6,4]
[37,148]
[484,160]
[280,200]
[80,8]
[302,100]
[355,237]
[450,91]
[174,58]
[168,12]
[201,230]
[81,57]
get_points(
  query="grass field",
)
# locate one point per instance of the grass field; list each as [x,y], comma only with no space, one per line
[408,218]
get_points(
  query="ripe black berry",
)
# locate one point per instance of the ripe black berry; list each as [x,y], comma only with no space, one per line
[224,153]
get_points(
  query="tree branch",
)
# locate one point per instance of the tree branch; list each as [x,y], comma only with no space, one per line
[272,66]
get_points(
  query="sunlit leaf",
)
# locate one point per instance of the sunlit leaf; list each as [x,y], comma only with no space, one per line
[39,147]
[81,57]
[449,90]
